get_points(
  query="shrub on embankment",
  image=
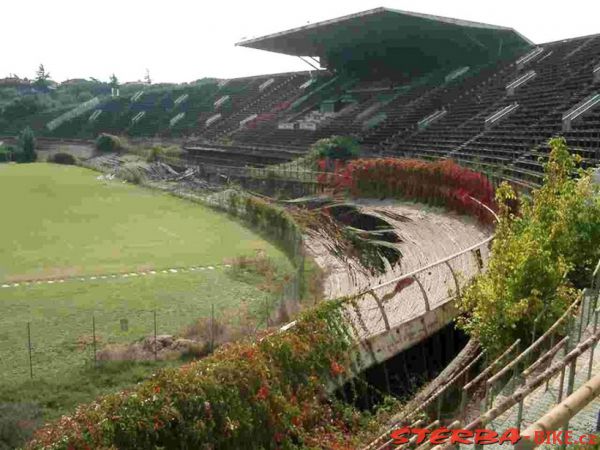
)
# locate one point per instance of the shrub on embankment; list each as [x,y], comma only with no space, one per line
[439,183]
[269,393]
[539,258]
[107,143]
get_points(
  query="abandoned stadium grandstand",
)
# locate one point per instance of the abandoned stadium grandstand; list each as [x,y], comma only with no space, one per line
[404,85]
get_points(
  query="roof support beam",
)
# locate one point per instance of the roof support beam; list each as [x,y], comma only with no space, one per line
[304,60]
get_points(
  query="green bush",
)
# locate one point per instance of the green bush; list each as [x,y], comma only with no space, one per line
[336,147]
[539,258]
[107,143]
[17,423]
[157,152]
[6,153]
[26,151]
[63,158]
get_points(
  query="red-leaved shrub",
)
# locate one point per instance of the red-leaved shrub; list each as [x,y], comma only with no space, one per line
[439,183]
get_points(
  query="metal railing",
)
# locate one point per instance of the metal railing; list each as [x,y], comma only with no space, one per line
[579,110]
[527,370]
[512,86]
[529,57]
[72,114]
[437,115]
[501,114]
[523,369]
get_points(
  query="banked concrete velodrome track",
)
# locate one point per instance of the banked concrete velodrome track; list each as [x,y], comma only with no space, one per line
[441,252]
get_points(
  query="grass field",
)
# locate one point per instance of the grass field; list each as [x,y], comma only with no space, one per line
[62,222]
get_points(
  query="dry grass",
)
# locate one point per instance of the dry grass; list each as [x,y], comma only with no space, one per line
[259,269]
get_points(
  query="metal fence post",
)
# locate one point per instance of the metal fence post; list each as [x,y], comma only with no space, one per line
[212,327]
[155,350]
[561,385]
[463,403]
[551,346]
[484,404]
[520,414]
[581,327]
[94,339]
[440,401]
[593,347]
[29,349]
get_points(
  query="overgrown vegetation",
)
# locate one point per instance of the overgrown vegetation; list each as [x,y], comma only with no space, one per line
[539,258]
[107,143]
[25,406]
[336,148]
[6,153]
[265,393]
[442,183]
[26,147]
[63,158]
[157,152]
[370,248]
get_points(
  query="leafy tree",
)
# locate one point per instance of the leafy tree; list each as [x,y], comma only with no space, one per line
[114,82]
[22,107]
[539,258]
[27,151]
[41,77]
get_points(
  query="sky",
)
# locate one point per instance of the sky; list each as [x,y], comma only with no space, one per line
[184,40]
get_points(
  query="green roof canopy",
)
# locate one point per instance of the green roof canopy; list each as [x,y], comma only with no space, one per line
[395,40]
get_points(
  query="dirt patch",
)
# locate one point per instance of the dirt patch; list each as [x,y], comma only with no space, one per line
[165,347]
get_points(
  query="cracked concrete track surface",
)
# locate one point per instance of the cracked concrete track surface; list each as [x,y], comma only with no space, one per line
[427,235]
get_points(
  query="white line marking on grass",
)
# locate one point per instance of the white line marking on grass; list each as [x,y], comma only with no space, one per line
[123,275]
